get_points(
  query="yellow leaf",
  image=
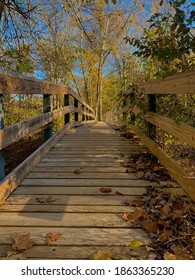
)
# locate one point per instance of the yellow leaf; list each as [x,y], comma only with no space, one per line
[136,243]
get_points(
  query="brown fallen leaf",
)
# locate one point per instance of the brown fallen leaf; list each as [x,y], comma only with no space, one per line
[156,168]
[77,171]
[127,216]
[139,175]
[105,190]
[22,241]
[181,253]
[45,200]
[140,166]
[169,256]
[52,237]
[149,226]
[14,255]
[137,215]
[152,256]
[118,193]
[164,236]
[135,202]
[101,255]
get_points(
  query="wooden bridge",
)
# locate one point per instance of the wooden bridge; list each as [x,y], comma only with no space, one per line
[68,197]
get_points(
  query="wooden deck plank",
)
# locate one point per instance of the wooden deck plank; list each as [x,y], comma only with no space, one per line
[63,220]
[53,190]
[77,252]
[58,175]
[67,200]
[86,182]
[70,236]
[87,169]
[68,208]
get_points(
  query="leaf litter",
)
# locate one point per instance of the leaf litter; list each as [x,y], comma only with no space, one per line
[22,242]
[169,220]
[167,217]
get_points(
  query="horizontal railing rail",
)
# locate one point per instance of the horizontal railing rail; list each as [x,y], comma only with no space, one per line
[14,84]
[122,114]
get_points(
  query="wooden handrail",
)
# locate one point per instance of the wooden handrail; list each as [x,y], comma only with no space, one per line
[15,84]
[182,83]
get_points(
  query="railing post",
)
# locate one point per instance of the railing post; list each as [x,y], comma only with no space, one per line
[83,115]
[66,103]
[87,117]
[47,107]
[152,108]
[2,156]
[76,115]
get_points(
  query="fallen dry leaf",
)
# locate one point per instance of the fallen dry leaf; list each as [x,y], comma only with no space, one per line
[136,243]
[181,253]
[139,175]
[152,256]
[118,193]
[105,190]
[127,216]
[137,215]
[22,241]
[45,200]
[135,202]
[169,256]
[77,171]
[101,255]
[164,236]
[14,255]
[52,237]
[149,226]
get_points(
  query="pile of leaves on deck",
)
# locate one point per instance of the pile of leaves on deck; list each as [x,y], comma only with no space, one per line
[169,219]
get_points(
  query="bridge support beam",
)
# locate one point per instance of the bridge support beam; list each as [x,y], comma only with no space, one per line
[2,155]
[47,107]
[152,108]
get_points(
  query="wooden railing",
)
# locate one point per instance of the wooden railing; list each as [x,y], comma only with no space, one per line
[182,83]
[11,84]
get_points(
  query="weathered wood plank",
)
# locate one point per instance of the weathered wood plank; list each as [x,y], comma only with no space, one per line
[57,175]
[63,220]
[87,169]
[54,190]
[80,164]
[78,252]
[66,200]
[67,208]
[183,132]
[79,159]
[86,182]
[187,183]
[85,156]
[84,237]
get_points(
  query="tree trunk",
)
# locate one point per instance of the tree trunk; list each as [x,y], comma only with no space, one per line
[99,93]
